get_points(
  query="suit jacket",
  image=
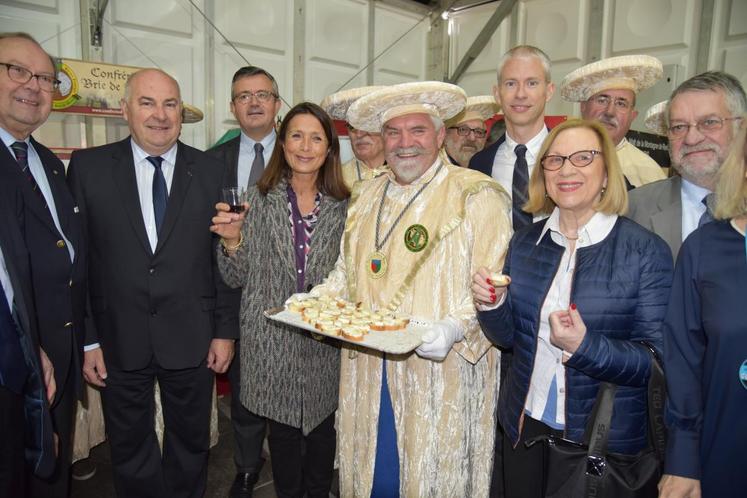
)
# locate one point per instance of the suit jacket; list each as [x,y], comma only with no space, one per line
[228,154]
[657,206]
[58,285]
[483,160]
[168,303]
[38,436]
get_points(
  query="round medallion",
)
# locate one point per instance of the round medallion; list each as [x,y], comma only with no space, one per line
[377,265]
[743,374]
[416,238]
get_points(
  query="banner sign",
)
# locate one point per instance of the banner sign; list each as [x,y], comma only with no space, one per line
[90,88]
[656,146]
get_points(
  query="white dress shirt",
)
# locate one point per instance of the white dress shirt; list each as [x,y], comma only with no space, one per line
[505,158]
[40,176]
[693,208]
[247,154]
[548,361]
[144,172]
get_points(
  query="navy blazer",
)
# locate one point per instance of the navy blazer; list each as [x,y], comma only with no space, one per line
[621,287]
[483,160]
[38,435]
[58,285]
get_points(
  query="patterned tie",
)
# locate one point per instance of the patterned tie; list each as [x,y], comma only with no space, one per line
[258,165]
[707,216]
[160,192]
[520,188]
[20,149]
[12,363]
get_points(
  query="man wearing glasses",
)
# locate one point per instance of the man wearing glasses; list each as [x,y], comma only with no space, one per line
[255,103]
[368,147]
[703,117]
[51,229]
[466,134]
[607,92]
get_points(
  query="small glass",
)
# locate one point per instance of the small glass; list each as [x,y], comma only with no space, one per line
[234,197]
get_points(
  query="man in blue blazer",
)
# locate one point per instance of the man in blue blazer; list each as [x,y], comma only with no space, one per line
[51,230]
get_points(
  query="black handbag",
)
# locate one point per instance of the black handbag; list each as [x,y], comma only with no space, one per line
[587,470]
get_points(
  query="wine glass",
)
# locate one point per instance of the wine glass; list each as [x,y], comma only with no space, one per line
[234,197]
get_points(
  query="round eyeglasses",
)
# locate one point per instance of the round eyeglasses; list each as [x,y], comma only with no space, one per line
[579,159]
[464,131]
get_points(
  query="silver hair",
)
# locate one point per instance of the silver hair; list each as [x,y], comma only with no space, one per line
[128,83]
[26,36]
[526,51]
[713,81]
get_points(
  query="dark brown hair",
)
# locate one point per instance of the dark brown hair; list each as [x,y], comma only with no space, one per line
[329,181]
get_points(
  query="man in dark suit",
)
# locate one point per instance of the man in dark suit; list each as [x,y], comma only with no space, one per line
[255,104]
[51,231]
[159,308]
[26,378]
[703,117]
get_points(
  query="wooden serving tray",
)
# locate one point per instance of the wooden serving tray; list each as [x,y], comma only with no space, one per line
[394,341]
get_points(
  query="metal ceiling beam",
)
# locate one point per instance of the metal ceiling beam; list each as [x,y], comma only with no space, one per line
[503,9]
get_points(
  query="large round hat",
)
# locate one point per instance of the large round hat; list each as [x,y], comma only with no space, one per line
[337,104]
[444,100]
[655,119]
[627,72]
[191,114]
[482,107]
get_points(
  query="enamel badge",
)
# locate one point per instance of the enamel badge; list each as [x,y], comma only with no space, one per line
[416,238]
[377,265]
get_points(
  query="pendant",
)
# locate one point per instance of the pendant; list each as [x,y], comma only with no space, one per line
[377,265]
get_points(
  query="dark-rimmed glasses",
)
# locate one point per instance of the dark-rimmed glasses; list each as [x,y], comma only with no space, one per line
[619,102]
[706,125]
[464,131]
[261,95]
[579,159]
[20,74]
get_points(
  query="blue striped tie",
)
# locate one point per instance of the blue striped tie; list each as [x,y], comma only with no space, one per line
[520,188]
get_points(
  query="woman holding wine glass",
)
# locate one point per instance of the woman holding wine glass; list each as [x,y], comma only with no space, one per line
[286,241]
[587,287]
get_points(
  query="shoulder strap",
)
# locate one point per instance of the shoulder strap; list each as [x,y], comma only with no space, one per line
[657,433]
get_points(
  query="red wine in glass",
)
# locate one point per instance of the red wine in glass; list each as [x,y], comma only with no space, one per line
[234,197]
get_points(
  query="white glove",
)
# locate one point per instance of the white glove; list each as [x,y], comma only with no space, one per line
[438,340]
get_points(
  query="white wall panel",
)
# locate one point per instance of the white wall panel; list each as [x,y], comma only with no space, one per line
[465,26]
[261,24]
[405,60]
[729,39]
[328,78]
[161,16]
[50,6]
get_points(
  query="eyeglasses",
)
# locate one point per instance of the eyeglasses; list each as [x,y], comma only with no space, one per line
[261,95]
[707,125]
[620,103]
[22,75]
[464,131]
[579,159]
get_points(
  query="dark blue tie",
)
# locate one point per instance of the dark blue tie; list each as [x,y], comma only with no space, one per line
[520,188]
[12,362]
[707,216]
[21,151]
[160,192]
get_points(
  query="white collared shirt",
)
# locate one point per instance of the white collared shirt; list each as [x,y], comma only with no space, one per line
[40,176]
[144,171]
[247,154]
[693,208]
[548,362]
[505,158]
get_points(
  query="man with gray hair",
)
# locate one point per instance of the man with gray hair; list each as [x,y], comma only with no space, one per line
[703,117]
[523,89]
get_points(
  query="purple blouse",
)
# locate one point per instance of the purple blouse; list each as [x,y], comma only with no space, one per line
[301,229]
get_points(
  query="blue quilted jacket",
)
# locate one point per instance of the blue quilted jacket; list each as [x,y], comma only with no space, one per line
[620,286]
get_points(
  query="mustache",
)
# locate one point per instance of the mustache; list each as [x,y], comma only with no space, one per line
[407,151]
[686,149]
[363,141]
[610,120]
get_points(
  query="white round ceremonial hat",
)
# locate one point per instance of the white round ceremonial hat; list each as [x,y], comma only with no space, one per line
[655,120]
[482,107]
[337,104]
[436,98]
[191,114]
[627,72]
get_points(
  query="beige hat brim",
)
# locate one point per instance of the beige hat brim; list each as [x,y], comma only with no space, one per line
[482,107]
[627,72]
[337,104]
[191,114]
[369,113]
[655,120]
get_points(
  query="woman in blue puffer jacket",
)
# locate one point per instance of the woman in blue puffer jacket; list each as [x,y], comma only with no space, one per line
[587,287]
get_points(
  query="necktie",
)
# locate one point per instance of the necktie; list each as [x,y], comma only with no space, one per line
[12,363]
[160,192]
[520,188]
[706,217]
[20,149]
[258,165]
